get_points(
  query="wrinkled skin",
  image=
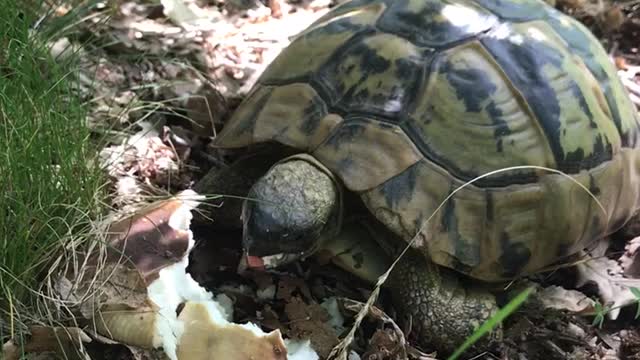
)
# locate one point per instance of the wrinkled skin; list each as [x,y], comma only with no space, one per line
[443,312]
[295,206]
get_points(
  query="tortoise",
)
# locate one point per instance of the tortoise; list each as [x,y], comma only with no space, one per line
[493,134]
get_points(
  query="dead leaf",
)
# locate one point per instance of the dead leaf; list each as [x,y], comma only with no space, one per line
[630,347]
[67,342]
[146,354]
[614,288]
[270,318]
[288,285]
[178,11]
[310,321]
[113,284]
[190,16]
[557,297]
[384,345]
[128,325]
[97,285]
[140,246]
[148,239]
[266,289]
[630,261]
[145,155]
[401,347]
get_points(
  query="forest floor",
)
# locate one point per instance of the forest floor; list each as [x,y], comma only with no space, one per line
[163,77]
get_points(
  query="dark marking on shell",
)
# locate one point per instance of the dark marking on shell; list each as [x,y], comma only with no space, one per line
[428,27]
[385,125]
[563,250]
[466,252]
[580,42]
[524,64]
[593,187]
[502,129]
[346,133]
[388,96]
[489,205]
[472,86]
[497,180]
[324,80]
[512,10]
[406,69]
[475,89]
[576,160]
[515,256]
[370,61]
[449,216]
[418,223]
[312,115]
[582,103]
[307,40]
[344,164]
[250,122]
[400,188]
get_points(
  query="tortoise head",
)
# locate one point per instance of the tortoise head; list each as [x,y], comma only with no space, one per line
[288,212]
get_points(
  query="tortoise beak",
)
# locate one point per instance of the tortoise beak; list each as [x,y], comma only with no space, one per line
[265,244]
[263,263]
[250,262]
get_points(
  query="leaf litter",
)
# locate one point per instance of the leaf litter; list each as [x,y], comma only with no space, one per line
[164,77]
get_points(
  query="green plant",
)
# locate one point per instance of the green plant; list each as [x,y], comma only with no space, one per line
[50,186]
[490,324]
[600,311]
[636,293]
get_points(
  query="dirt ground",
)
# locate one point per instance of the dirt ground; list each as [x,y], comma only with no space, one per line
[163,80]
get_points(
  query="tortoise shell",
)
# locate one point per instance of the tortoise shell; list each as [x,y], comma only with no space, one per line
[407,101]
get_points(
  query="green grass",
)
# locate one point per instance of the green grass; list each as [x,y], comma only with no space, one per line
[492,322]
[50,187]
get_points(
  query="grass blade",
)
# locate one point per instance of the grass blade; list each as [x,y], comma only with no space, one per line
[492,322]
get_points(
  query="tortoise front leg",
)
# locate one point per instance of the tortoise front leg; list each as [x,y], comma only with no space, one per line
[443,312]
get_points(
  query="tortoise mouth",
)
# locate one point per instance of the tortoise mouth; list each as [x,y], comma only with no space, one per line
[267,262]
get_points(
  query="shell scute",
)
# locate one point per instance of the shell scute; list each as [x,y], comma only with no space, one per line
[293,115]
[436,23]
[365,152]
[516,10]
[580,40]
[560,92]
[374,75]
[312,48]
[498,233]
[238,131]
[468,94]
